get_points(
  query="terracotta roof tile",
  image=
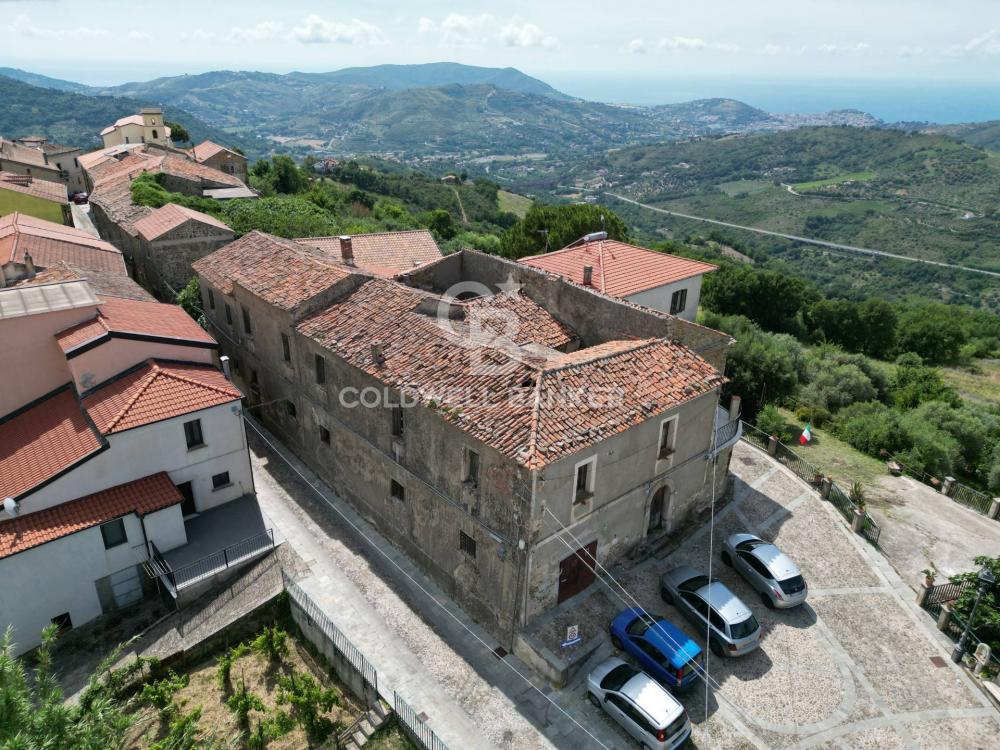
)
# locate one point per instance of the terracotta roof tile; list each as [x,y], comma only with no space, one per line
[171,216]
[532,408]
[208,149]
[142,496]
[620,269]
[50,243]
[28,185]
[276,270]
[382,253]
[43,440]
[155,391]
[33,157]
[127,316]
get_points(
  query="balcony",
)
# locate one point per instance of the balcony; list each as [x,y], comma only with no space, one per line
[727,432]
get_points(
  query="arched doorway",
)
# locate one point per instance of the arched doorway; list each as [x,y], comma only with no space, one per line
[658,511]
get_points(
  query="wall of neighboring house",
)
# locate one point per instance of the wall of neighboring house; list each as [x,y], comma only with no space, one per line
[34,364]
[164,265]
[161,446]
[660,297]
[70,575]
[39,171]
[229,163]
[626,475]
[114,356]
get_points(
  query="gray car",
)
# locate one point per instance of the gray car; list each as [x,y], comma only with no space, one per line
[733,630]
[643,707]
[769,570]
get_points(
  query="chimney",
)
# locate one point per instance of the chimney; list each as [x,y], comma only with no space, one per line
[734,407]
[346,250]
[29,265]
[224,361]
[588,275]
[378,354]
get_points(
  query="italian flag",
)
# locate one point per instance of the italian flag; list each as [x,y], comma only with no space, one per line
[806,435]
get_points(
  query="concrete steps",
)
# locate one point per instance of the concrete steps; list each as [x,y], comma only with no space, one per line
[357,735]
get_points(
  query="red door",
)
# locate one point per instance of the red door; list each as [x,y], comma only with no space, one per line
[576,572]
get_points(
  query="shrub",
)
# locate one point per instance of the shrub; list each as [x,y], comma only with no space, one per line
[226,665]
[160,694]
[272,643]
[870,427]
[914,382]
[309,701]
[835,387]
[817,416]
[241,703]
[770,421]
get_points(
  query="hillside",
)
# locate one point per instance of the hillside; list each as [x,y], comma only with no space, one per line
[927,196]
[983,134]
[77,119]
[36,79]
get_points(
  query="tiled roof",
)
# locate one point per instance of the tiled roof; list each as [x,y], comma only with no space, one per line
[33,157]
[533,409]
[92,159]
[208,149]
[127,316]
[519,318]
[131,120]
[28,185]
[56,273]
[50,243]
[154,391]
[103,283]
[171,216]
[142,496]
[383,253]
[620,269]
[274,269]
[44,439]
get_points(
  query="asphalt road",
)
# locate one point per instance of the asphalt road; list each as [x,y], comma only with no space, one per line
[808,240]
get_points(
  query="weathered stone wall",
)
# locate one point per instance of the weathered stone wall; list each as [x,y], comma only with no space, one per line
[164,265]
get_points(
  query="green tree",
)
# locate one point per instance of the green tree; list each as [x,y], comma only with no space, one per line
[839,322]
[833,388]
[286,177]
[285,216]
[189,298]
[914,382]
[178,133]
[934,331]
[557,226]
[771,299]
[878,321]
[987,624]
[441,223]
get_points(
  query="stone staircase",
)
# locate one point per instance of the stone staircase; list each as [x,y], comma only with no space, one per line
[356,736]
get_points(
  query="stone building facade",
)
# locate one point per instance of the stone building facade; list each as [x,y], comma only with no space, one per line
[452,405]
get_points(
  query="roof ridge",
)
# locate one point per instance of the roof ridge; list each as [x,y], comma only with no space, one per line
[600,254]
[639,344]
[148,381]
[536,418]
[185,379]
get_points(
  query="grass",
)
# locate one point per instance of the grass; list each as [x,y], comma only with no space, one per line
[816,184]
[980,383]
[741,187]
[516,204]
[29,204]
[390,737]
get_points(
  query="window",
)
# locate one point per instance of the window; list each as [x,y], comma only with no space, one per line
[756,565]
[221,480]
[290,409]
[62,622]
[584,488]
[75,162]
[717,622]
[397,491]
[467,544]
[397,421]
[192,434]
[155,136]
[113,533]
[324,435]
[286,349]
[59,166]
[668,430]
[229,314]
[678,301]
[247,328]
[211,299]
[471,467]
[697,603]
[320,369]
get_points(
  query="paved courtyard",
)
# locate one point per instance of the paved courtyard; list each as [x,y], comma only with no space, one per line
[850,669]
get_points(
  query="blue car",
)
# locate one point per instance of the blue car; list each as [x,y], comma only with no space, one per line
[662,649]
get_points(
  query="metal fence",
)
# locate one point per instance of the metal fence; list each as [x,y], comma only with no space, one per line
[415,726]
[870,530]
[954,629]
[351,653]
[943,593]
[970,498]
[842,502]
[755,437]
[216,562]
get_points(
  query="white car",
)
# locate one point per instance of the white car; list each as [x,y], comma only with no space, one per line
[769,570]
[643,707]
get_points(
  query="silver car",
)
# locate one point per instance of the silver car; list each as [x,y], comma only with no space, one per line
[769,570]
[643,707]
[733,630]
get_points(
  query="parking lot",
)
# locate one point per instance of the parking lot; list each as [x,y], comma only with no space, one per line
[855,667]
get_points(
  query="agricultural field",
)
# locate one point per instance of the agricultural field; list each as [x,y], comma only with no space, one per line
[513,203]
[978,383]
[830,181]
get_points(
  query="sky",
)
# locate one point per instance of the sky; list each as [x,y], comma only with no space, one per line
[107,42]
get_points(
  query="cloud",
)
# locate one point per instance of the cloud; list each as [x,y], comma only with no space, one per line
[984,45]
[770,50]
[140,36]
[636,47]
[462,29]
[838,49]
[527,36]
[198,35]
[683,43]
[262,32]
[317,30]
[425,25]
[23,26]
[912,51]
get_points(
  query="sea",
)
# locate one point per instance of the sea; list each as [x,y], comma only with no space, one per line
[891,100]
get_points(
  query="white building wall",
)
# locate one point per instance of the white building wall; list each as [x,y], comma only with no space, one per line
[115,356]
[59,577]
[659,298]
[161,446]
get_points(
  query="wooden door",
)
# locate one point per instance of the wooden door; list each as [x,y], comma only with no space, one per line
[576,572]
[656,510]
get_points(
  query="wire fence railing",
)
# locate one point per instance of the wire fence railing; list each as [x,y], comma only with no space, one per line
[962,494]
[224,559]
[415,726]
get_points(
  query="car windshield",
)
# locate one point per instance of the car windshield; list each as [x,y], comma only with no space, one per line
[677,725]
[792,585]
[743,629]
[695,583]
[749,544]
[640,625]
[617,677]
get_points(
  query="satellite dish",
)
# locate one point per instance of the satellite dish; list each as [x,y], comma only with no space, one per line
[10,505]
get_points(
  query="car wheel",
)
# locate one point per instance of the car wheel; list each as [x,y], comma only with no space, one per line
[726,558]
[617,643]
[767,600]
[666,596]
[594,699]
[717,648]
